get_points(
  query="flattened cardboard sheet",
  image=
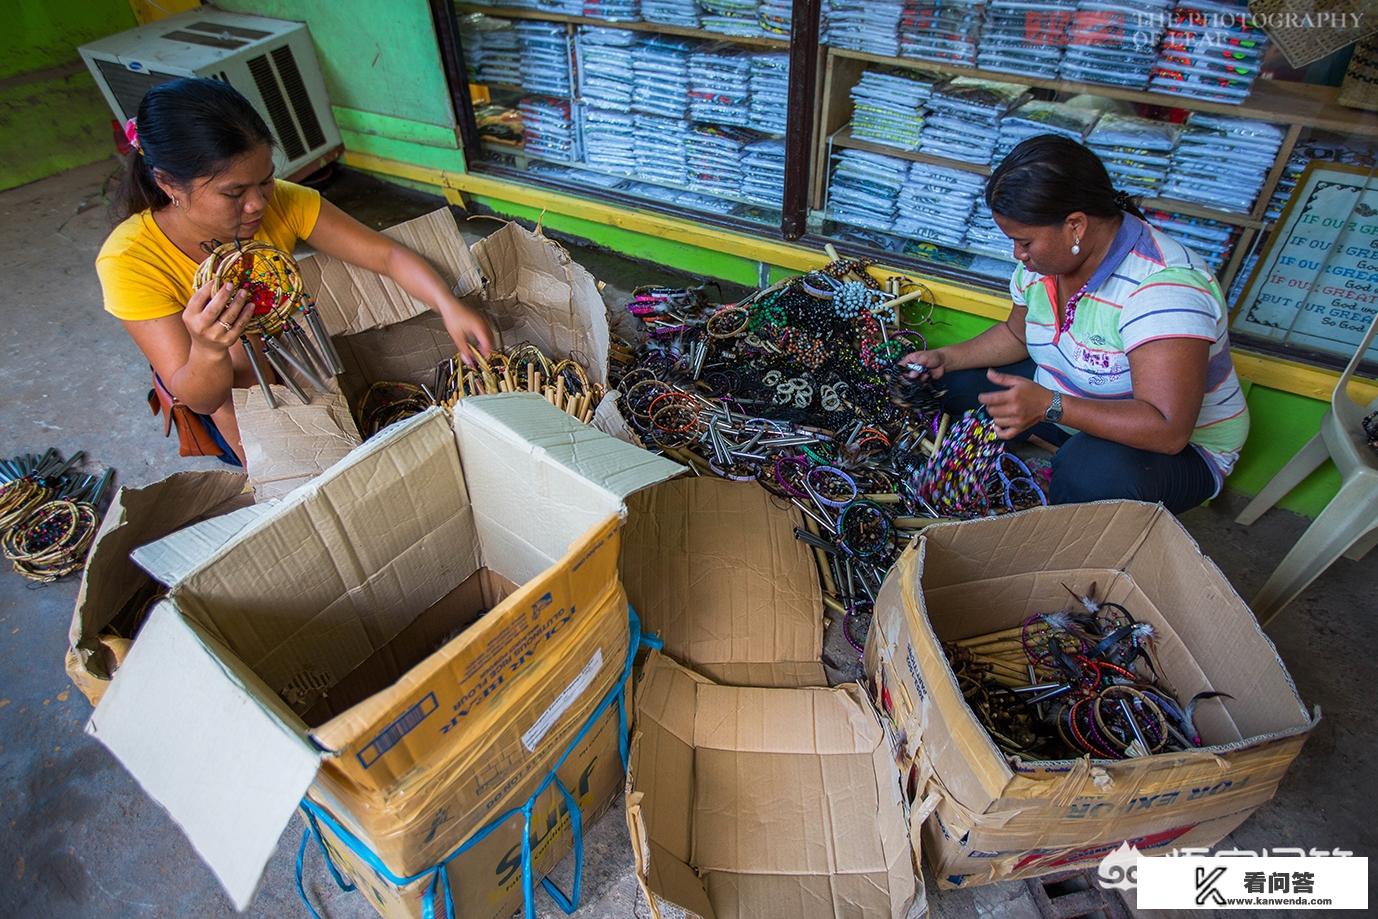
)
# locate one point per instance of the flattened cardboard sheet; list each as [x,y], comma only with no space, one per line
[288,446]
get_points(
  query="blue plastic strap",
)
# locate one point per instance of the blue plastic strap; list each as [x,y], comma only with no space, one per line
[438,874]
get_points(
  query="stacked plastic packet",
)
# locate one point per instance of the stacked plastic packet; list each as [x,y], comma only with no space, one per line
[604,78]
[1222,162]
[1136,151]
[548,129]
[864,188]
[720,87]
[770,92]
[1347,153]
[1025,36]
[936,204]
[660,77]
[865,25]
[984,236]
[763,173]
[941,30]
[730,17]
[608,138]
[1209,239]
[492,51]
[964,118]
[776,17]
[1210,51]
[607,10]
[1115,41]
[1036,117]
[715,159]
[660,148]
[545,58]
[580,177]
[671,12]
[888,106]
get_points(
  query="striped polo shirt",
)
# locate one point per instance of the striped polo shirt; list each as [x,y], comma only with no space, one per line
[1149,287]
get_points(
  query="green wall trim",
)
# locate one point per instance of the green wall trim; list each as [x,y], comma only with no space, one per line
[693,259]
[417,132]
[450,159]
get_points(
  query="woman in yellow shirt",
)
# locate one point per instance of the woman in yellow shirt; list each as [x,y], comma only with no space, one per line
[201,173]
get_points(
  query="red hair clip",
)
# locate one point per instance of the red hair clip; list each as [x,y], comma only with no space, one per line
[131,134]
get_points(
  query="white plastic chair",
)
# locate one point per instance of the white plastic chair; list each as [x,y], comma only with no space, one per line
[1349,524]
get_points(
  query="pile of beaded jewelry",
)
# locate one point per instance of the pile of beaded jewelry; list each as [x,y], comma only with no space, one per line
[1083,681]
[273,280]
[49,513]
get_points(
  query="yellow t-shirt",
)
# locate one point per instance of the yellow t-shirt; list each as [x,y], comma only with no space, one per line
[144,276]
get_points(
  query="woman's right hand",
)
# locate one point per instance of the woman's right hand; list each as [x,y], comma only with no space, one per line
[918,363]
[216,319]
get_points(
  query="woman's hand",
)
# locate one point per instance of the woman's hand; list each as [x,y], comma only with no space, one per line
[215,319]
[1018,407]
[470,330]
[918,363]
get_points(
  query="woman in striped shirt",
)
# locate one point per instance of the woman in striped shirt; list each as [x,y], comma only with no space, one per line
[1116,350]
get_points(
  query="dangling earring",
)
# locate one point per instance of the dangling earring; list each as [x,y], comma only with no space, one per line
[1076,246]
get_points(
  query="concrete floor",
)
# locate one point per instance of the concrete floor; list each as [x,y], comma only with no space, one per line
[81,839]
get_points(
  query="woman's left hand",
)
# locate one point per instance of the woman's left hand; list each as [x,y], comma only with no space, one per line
[470,330]
[1018,407]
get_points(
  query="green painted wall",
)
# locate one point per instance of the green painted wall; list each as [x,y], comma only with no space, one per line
[52,116]
[39,35]
[379,58]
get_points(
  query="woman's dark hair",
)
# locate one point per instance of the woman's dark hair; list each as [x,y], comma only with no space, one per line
[187,130]
[1047,177]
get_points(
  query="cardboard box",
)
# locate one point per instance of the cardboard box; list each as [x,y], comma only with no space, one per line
[259,630]
[113,589]
[765,803]
[998,819]
[486,881]
[526,284]
[715,571]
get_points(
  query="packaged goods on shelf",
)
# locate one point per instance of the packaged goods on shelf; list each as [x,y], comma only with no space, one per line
[1249,147]
[984,236]
[964,118]
[777,16]
[683,13]
[1349,152]
[1038,116]
[1210,51]
[936,203]
[548,128]
[770,92]
[491,49]
[941,30]
[864,188]
[608,10]
[715,159]
[545,58]
[864,25]
[1209,239]
[660,76]
[659,149]
[720,88]
[1025,36]
[730,17]
[763,165]
[1136,151]
[1115,41]
[888,106]
[608,138]
[604,80]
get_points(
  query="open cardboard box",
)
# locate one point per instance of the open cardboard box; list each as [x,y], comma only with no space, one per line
[527,285]
[998,819]
[114,591]
[344,584]
[765,803]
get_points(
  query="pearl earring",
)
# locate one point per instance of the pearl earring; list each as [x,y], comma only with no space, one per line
[1076,247]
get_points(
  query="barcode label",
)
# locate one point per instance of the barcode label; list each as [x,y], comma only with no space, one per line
[392,735]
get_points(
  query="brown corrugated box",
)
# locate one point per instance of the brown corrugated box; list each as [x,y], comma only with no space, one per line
[526,284]
[997,820]
[339,582]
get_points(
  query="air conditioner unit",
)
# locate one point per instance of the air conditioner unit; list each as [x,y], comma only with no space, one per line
[271,61]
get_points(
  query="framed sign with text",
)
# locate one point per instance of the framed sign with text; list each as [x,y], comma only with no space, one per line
[1315,287]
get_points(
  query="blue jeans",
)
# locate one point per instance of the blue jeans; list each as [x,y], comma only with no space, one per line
[1087,468]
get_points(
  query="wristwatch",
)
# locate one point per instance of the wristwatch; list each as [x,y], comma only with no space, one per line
[1054,412]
